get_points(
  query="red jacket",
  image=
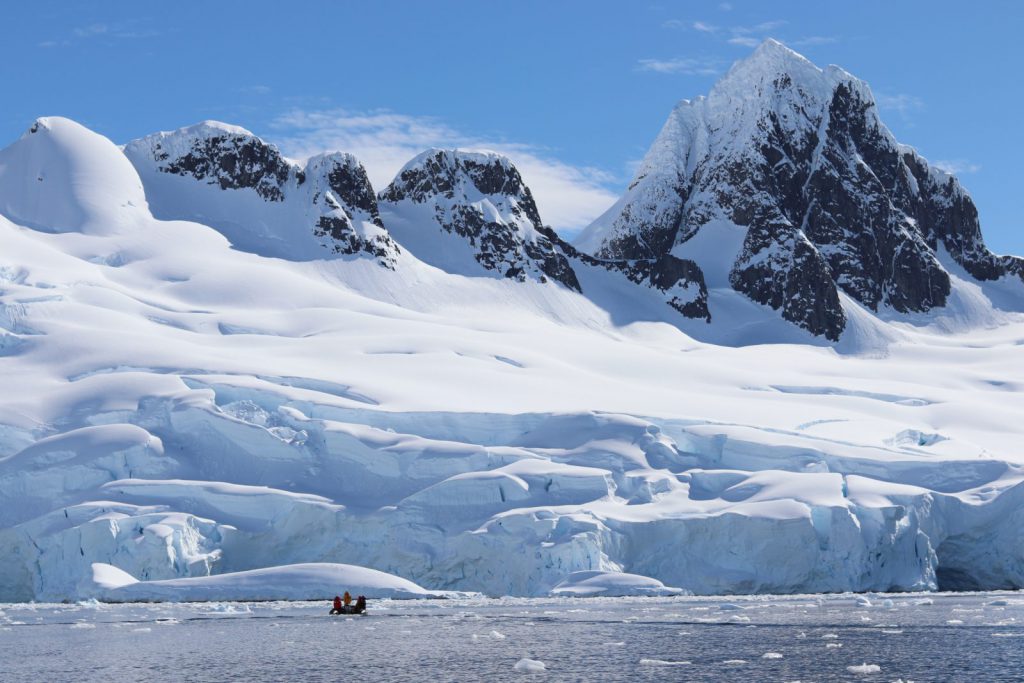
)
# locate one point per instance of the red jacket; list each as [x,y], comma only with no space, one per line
[337,602]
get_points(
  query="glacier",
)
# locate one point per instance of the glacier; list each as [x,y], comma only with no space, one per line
[181,408]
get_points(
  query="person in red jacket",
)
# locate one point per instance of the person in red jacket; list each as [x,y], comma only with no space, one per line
[337,605]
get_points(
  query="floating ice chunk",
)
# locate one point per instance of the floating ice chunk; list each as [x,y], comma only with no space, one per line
[497,636]
[863,601]
[892,631]
[530,666]
[82,625]
[829,636]
[771,655]
[729,606]
[833,646]
[999,603]
[734,662]
[923,602]
[144,629]
[954,622]
[864,669]
[662,662]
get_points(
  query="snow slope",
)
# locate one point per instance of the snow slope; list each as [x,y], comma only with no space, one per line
[179,409]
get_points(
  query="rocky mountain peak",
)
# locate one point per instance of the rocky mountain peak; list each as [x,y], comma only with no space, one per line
[462,175]
[480,200]
[798,158]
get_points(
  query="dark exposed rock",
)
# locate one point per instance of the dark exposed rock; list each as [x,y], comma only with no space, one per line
[351,185]
[779,267]
[875,253]
[681,279]
[233,161]
[344,196]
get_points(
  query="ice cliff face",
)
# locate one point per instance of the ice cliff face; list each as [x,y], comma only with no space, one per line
[231,179]
[827,200]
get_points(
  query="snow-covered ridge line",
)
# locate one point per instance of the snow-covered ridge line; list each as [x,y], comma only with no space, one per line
[266,203]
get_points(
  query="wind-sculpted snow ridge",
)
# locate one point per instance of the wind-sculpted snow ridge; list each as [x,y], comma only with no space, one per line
[310,581]
[228,178]
[784,182]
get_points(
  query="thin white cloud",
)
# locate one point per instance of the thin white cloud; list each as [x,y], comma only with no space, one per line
[744,41]
[809,41]
[763,27]
[691,66]
[957,166]
[725,6]
[100,32]
[748,36]
[569,197]
[91,30]
[255,90]
[903,104]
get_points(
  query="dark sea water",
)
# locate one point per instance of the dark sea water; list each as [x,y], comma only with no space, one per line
[946,637]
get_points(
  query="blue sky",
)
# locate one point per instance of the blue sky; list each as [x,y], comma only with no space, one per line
[573,91]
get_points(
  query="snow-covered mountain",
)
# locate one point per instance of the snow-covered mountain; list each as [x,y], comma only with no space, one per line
[784,182]
[232,180]
[445,203]
[217,360]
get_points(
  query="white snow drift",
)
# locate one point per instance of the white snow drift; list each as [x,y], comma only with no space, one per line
[313,581]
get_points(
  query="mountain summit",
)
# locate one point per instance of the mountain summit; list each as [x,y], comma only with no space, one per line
[784,184]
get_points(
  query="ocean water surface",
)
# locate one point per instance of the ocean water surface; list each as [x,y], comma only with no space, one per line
[910,637]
